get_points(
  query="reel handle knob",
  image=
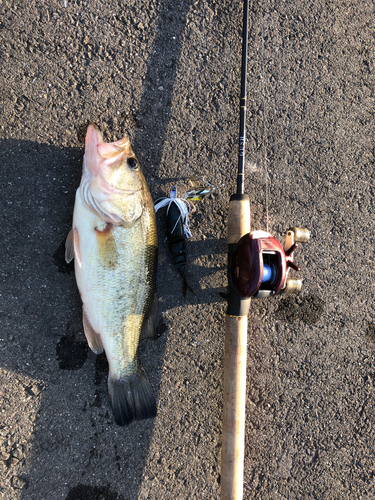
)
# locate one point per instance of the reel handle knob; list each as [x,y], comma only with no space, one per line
[292,286]
[301,234]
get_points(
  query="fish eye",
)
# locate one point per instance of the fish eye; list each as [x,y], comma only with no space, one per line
[132,163]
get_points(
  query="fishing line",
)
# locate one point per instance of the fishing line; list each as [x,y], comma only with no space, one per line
[183,204]
[264,119]
[193,121]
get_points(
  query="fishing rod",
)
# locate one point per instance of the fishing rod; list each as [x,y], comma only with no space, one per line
[258,267]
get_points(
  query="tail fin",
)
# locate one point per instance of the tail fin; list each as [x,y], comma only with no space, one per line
[132,398]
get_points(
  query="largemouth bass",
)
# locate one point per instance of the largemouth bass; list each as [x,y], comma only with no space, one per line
[114,244]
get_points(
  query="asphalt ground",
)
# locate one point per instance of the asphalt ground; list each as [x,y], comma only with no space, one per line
[168,74]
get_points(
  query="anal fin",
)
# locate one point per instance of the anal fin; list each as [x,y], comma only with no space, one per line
[93,338]
[148,330]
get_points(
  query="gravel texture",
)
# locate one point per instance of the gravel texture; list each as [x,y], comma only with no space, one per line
[168,74]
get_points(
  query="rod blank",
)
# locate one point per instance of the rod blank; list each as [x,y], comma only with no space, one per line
[242,139]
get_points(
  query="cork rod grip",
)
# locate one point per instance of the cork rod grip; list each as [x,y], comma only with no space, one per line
[232,458]
[238,220]
[234,397]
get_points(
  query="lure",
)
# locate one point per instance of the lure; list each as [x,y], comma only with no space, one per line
[196,194]
[178,226]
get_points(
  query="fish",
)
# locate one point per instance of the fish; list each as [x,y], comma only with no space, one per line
[114,244]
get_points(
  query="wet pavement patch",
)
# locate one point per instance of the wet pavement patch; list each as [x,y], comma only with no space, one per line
[101,368]
[307,309]
[101,374]
[84,492]
[160,329]
[70,354]
[370,332]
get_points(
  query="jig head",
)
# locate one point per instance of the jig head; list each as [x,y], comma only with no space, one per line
[259,264]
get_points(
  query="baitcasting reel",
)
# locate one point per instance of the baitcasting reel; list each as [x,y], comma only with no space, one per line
[260,265]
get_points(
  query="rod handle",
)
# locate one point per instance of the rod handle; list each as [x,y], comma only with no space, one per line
[234,403]
[238,218]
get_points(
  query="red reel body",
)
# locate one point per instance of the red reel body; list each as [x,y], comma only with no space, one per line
[260,265]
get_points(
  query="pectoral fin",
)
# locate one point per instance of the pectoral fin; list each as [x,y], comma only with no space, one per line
[69,247]
[72,248]
[93,338]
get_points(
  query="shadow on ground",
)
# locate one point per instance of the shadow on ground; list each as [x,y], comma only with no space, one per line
[42,335]
[43,340]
